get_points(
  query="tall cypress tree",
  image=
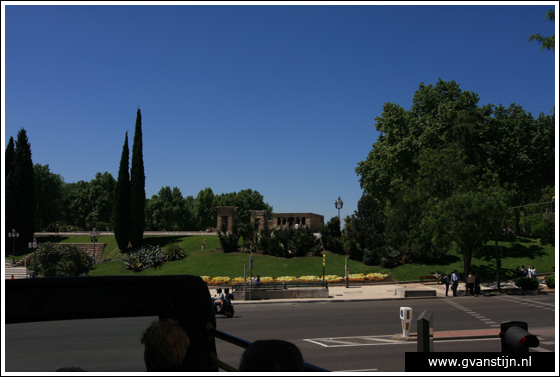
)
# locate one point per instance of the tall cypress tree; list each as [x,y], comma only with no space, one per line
[10,211]
[23,185]
[121,212]
[137,187]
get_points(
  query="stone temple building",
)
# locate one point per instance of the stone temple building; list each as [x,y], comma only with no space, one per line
[226,214]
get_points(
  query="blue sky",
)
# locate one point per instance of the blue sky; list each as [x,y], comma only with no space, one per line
[279,99]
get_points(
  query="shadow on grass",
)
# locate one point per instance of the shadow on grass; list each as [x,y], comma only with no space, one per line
[516,250]
[43,239]
[449,259]
[487,271]
[163,241]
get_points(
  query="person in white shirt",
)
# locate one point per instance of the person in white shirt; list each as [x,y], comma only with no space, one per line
[454,282]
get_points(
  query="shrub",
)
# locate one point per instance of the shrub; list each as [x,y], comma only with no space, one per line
[389,257]
[173,252]
[353,250]
[527,284]
[269,244]
[550,281]
[229,241]
[371,258]
[331,236]
[147,256]
[62,260]
[305,243]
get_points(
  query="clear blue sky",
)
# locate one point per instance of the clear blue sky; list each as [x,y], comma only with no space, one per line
[278,99]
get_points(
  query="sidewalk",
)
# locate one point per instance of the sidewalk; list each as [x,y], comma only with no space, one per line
[339,293]
[369,292]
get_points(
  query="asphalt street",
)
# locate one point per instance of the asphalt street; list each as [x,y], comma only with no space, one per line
[338,336]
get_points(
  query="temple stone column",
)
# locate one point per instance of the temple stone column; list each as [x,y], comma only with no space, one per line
[226,215]
[261,216]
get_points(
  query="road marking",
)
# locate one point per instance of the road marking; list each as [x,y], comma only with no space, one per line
[361,341]
[525,301]
[540,349]
[355,341]
[356,370]
[486,321]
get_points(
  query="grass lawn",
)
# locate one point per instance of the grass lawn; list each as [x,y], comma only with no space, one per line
[213,262]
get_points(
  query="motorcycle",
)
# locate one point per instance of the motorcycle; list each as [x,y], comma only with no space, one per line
[222,303]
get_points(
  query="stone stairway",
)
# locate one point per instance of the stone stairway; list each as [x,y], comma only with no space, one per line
[10,269]
[89,249]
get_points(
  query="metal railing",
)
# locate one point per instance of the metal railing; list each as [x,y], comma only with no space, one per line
[281,286]
[244,344]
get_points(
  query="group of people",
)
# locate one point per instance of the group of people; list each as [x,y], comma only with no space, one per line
[166,343]
[530,272]
[473,283]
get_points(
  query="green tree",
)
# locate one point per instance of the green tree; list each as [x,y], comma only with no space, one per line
[539,221]
[523,154]
[121,212]
[100,201]
[469,216]
[75,203]
[205,208]
[137,187]
[90,205]
[48,193]
[331,236]
[246,200]
[547,42]
[167,211]
[442,136]
[22,191]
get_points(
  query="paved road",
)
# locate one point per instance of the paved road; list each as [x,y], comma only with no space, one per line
[339,336]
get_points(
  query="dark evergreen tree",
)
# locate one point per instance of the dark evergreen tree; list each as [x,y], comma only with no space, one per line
[121,221]
[137,187]
[23,185]
[9,211]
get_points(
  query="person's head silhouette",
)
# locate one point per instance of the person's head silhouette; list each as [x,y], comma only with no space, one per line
[272,355]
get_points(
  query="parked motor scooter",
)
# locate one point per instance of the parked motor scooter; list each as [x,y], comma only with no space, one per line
[222,303]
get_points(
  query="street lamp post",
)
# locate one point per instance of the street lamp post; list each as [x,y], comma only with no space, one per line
[93,235]
[13,235]
[34,245]
[338,204]
[323,265]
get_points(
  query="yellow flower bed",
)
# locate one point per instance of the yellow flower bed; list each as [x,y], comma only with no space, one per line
[333,278]
[356,277]
[308,278]
[377,276]
[286,279]
[221,280]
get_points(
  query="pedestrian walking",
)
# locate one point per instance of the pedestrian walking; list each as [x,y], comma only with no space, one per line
[454,282]
[476,284]
[446,281]
[204,244]
[531,272]
[471,279]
